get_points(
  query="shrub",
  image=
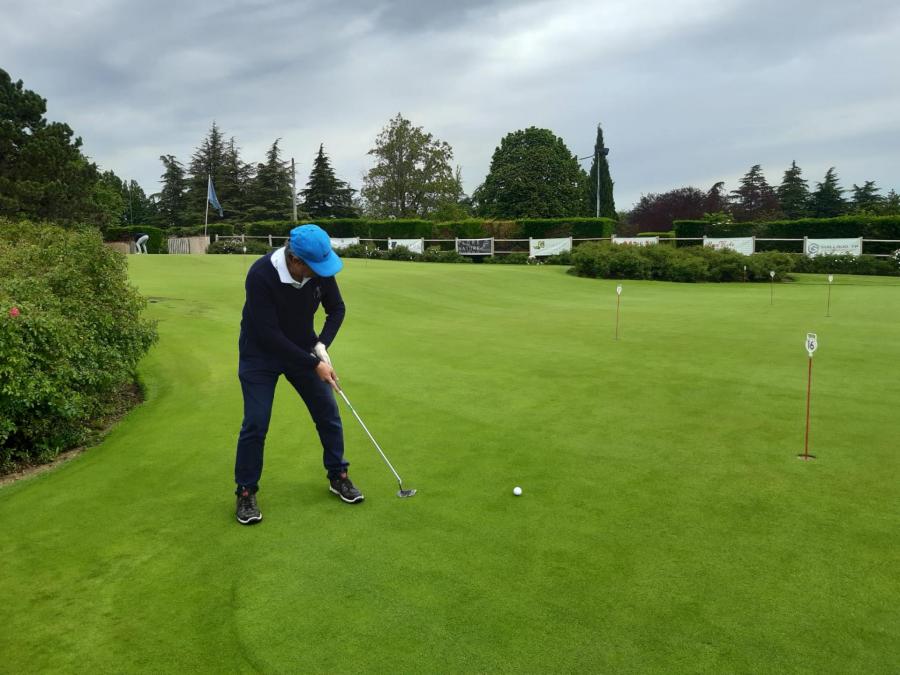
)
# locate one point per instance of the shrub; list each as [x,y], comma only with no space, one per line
[401,253]
[517,258]
[676,264]
[435,254]
[254,246]
[71,334]
[592,260]
[848,264]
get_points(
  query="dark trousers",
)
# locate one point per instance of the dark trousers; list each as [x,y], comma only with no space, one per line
[258,379]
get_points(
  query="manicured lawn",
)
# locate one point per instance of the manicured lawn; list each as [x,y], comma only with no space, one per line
[666,524]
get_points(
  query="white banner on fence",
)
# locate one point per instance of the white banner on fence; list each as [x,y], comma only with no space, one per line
[814,247]
[337,243]
[414,245]
[745,245]
[537,247]
[475,246]
[635,241]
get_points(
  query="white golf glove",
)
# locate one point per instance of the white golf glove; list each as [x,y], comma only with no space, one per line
[320,351]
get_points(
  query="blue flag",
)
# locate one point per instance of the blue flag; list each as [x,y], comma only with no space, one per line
[211,196]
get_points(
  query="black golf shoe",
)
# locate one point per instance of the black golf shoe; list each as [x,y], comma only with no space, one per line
[343,488]
[247,510]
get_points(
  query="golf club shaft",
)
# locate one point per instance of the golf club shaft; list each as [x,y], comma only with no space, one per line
[371,437]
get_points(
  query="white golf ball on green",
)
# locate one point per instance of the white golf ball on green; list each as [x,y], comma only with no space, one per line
[517,491]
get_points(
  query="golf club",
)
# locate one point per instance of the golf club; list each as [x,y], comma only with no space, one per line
[402,492]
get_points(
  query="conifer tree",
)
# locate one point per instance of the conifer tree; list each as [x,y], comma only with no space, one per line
[171,203]
[827,201]
[325,196]
[866,198]
[755,200]
[270,191]
[793,194]
[208,160]
[607,207]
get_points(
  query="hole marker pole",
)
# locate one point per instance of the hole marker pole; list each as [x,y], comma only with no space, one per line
[811,345]
[772,287]
[618,297]
[828,307]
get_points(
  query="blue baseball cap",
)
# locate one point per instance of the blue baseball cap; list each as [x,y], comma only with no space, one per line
[312,245]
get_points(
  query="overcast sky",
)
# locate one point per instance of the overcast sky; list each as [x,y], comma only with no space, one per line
[689,92]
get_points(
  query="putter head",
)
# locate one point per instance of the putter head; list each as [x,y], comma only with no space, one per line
[406,493]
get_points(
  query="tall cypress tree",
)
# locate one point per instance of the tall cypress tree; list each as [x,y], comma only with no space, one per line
[793,194]
[325,196]
[754,200]
[827,201]
[607,207]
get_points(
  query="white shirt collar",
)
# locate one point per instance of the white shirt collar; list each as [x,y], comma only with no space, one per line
[280,265]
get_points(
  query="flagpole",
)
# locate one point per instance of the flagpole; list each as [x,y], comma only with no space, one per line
[294,188]
[206,220]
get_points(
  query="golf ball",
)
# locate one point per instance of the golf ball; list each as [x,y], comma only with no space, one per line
[517,491]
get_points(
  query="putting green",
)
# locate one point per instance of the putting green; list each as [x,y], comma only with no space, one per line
[666,523]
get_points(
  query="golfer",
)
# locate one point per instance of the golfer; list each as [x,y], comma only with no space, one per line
[140,242]
[284,290]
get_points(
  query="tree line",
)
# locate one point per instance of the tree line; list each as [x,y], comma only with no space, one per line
[533,174]
[755,200]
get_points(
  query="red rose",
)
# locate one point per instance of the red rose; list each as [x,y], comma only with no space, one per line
[14,312]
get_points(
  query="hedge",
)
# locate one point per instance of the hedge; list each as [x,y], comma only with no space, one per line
[221,229]
[427,229]
[71,335]
[869,227]
[156,243]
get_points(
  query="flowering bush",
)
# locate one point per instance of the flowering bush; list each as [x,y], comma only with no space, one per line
[71,334]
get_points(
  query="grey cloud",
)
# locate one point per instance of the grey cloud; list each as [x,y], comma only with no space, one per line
[688,91]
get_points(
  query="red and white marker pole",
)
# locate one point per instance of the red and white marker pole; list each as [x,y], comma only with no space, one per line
[618,298]
[811,345]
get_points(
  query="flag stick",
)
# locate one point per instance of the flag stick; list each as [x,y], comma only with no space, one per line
[206,220]
[808,389]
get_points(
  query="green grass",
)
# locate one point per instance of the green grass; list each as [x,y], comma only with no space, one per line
[666,524]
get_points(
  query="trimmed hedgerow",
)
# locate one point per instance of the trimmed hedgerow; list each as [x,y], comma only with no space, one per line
[71,335]
[665,263]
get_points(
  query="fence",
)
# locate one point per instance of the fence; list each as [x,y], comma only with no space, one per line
[189,245]
[522,245]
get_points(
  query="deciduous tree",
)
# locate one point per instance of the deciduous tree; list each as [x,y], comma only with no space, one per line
[533,175]
[412,175]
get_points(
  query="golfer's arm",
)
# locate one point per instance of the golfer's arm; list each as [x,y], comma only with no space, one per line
[334,311]
[265,320]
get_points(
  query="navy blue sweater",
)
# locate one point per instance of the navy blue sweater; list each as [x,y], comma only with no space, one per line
[277,322]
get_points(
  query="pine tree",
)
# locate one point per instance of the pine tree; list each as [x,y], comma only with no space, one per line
[233,183]
[43,174]
[208,160]
[139,209]
[607,207]
[866,198]
[325,196]
[172,197]
[793,194]
[270,191]
[827,200]
[754,200]
[890,205]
